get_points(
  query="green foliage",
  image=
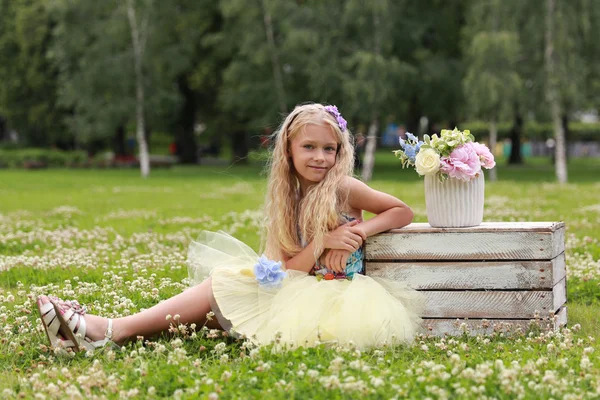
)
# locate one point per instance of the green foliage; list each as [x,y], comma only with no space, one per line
[29,86]
[67,69]
[536,131]
[36,158]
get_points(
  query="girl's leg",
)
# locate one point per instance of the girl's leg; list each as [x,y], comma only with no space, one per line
[192,306]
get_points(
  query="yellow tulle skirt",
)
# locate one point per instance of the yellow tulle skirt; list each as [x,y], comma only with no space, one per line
[302,311]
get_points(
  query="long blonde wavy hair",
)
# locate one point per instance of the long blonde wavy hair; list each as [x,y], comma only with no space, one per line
[292,220]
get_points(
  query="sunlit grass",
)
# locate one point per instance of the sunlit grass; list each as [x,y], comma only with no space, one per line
[118,243]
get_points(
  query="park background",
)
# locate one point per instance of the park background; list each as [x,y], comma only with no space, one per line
[84,84]
[109,82]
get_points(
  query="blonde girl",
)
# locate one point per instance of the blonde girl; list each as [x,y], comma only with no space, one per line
[309,285]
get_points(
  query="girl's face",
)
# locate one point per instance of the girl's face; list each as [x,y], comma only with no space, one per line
[313,153]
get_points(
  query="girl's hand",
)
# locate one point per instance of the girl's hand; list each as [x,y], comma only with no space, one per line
[335,260]
[345,237]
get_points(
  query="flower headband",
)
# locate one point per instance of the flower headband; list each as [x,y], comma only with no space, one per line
[333,110]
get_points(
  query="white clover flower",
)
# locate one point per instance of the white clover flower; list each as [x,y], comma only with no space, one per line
[585,363]
[312,373]
[376,381]
[225,376]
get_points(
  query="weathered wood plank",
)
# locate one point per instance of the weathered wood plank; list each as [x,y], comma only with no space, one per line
[486,227]
[559,294]
[472,275]
[493,304]
[454,327]
[490,241]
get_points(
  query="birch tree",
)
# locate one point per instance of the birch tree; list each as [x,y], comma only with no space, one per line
[492,83]
[552,92]
[139,35]
[373,74]
[275,64]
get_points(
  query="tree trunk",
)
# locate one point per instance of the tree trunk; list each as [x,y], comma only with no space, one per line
[138,42]
[3,130]
[552,95]
[369,160]
[515,138]
[565,124]
[239,146]
[187,148]
[493,140]
[277,77]
[119,145]
[413,119]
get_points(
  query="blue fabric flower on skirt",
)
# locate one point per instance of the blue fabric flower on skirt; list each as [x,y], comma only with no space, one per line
[268,272]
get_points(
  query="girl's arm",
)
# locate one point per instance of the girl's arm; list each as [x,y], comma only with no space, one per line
[390,212]
[304,260]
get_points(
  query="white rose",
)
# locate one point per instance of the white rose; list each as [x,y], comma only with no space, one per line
[427,162]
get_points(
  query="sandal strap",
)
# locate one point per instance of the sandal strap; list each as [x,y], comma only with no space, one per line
[45,308]
[49,317]
[109,330]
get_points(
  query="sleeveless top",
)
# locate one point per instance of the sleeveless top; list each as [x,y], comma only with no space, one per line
[354,264]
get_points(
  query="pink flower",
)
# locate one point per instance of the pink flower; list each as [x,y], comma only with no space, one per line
[463,163]
[485,155]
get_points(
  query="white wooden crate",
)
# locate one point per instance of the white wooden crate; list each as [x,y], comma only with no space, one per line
[491,277]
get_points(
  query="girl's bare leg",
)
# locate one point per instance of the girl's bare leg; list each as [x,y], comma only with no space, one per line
[192,306]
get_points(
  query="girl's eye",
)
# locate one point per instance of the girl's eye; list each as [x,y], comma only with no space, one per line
[308,146]
[329,149]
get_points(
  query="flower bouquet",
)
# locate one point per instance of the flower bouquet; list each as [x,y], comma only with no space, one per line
[453,154]
[452,165]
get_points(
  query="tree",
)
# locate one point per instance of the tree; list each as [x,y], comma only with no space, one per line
[427,36]
[372,72]
[100,79]
[253,92]
[28,91]
[139,36]
[492,83]
[92,51]
[552,92]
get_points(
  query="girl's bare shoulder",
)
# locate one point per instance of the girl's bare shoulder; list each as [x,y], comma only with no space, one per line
[353,186]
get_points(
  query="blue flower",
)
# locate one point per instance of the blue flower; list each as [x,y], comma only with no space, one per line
[418,147]
[268,272]
[411,137]
[410,152]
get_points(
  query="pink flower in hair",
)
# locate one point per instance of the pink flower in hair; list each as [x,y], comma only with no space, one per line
[463,163]
[485,155]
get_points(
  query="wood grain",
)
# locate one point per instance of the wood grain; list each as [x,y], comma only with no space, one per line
[471,275]
[452,327]
[493,304]
[477,243]
[486,227]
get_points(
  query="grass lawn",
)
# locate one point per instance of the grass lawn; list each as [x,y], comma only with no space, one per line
[118,244]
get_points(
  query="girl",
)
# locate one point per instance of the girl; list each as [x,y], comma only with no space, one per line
[314,227]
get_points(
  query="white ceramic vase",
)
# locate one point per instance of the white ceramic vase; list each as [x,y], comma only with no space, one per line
[454,203]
